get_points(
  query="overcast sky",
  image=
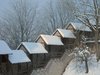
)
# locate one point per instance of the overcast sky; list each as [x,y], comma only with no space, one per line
[4,4]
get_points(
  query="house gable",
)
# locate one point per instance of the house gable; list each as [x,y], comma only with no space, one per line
[41,40]
[57,33]
[22,47]
[70,27]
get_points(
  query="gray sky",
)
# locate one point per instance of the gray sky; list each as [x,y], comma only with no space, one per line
[3,5]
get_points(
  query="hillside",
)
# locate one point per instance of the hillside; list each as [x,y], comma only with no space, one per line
[78,68]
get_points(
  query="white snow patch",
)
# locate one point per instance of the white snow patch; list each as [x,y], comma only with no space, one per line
[18,56]
[80,26]
[52,40]
[78,68]
[4,48]
[66,33]
[34,48]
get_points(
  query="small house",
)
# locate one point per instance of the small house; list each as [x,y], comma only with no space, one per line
[36,52]
[18,62]
[79,30]
[67,37]
[52,44]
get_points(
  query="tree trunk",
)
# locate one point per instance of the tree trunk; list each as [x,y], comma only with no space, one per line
[96,44]
[86,65]
[96,32]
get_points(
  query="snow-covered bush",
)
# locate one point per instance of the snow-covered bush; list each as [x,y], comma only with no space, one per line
[82,54]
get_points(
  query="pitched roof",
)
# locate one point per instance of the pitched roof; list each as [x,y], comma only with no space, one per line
[4,48]
[34,48]
[51,40]
[92,41]
[18,56]
[80,26]
[66,33]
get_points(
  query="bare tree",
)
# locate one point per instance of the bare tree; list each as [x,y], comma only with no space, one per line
[52,18]
[65,10]
[59,13]
[82,54]
[19,23]
[91,13]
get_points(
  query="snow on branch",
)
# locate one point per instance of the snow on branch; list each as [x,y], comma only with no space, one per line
[81,53]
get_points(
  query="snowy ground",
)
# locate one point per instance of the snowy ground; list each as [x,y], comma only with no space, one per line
[78,68]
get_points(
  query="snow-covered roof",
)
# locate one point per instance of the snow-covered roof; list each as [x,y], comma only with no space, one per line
[34,48]
[93,22]
[51,40]
[18,56]
[98,40]
[92,41]
[66,33]
[4,48]
[80,26]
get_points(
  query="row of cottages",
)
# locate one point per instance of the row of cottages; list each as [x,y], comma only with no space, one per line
[9,59]
[47,47]
[52,44]
[82,32]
